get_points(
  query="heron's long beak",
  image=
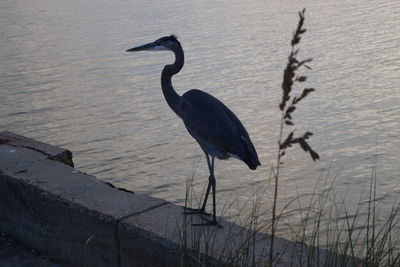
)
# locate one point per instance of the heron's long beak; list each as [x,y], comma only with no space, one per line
[150,46]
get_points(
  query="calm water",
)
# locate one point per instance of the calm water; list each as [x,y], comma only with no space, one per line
[65,79]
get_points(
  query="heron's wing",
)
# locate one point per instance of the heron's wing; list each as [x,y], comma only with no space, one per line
[212,124]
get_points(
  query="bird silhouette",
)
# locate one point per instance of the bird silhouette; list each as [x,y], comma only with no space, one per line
[215,127]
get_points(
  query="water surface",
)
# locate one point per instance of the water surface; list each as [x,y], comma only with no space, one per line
[66,80]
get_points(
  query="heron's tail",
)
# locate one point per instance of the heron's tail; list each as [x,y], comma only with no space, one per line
[250,157]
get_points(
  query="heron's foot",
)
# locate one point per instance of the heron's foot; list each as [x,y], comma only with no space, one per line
[212,222]
[188,210]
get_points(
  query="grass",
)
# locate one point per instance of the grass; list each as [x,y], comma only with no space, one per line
[323,229]
[326,231]
[350,239]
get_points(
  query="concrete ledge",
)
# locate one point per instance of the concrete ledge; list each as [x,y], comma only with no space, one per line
[75,218]
[52,152]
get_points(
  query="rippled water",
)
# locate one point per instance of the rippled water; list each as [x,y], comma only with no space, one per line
[65,79]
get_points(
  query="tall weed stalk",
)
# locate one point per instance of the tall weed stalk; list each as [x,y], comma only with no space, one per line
[287,107]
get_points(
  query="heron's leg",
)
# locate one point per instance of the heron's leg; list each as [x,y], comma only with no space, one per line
[211,179]
[212,184]
[202,210]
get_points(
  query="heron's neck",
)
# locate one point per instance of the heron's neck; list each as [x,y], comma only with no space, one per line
[172,98]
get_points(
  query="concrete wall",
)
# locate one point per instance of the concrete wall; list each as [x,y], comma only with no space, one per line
[48,205]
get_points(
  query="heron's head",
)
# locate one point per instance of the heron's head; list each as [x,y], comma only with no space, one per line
[164,43]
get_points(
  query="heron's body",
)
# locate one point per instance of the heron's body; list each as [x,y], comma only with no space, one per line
[224,136]
[215,127]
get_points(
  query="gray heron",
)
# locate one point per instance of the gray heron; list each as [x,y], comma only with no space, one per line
[214,126]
